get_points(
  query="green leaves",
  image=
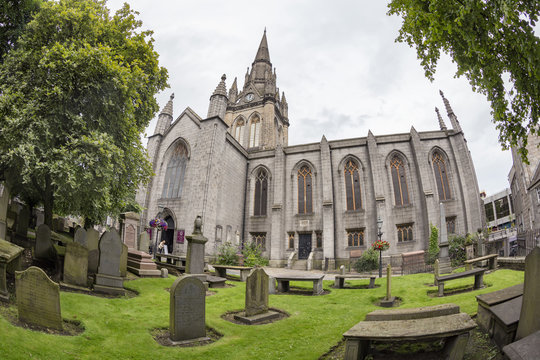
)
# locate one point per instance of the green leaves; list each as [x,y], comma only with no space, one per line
[489,41]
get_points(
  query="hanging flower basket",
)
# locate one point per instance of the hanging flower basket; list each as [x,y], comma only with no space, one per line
[381,245]
[159,224]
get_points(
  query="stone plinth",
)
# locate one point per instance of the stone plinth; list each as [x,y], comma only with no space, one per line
[195,250]
[141,264]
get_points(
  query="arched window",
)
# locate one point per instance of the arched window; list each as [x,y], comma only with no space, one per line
[401,191]
[239,131]
[441,177]
[305,205]
[254,132]
[261,193]
[174,176]
[352,186]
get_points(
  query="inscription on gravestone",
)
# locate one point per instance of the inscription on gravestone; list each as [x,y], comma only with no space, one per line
[38,298]
[187,309]
[130,239]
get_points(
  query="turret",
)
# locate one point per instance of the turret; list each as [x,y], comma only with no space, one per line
[165,117]
[442,125]
[453,118]
[218,100]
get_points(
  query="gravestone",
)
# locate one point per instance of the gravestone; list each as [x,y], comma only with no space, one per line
[4,202]
[92,244]
[195,251]
[529,318]
[123,261]
[108,278]
[76,264]
[164,273]
[22,223]
[10,259]
[38,298]
[80,237]
[144,241]
[44,248]
[187,310]
[130,220]
[257,290]
[389,300]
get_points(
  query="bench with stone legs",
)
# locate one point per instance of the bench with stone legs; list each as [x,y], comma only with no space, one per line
[417,324]
[221,270]
[284,281]
[477,273]
[492,261]
[339,283]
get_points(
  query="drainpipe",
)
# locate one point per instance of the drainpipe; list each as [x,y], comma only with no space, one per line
[245,201]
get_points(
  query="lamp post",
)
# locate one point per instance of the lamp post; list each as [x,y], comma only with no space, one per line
[379,235]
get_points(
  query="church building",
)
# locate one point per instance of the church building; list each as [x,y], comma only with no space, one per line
[320,201]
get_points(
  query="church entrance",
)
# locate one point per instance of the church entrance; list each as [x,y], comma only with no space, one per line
[304,246]
[168,235]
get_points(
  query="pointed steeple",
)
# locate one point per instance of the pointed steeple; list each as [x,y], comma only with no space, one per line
[165,117]
[442,125]
[263,54]
[218,100]
[233,91]
[453,118]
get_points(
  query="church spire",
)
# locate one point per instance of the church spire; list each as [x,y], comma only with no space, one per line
[442,125]
[453,118]
[262,53]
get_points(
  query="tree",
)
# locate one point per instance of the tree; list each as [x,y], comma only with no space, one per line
[14,16]
[76,93]
[492,43]
[433,250]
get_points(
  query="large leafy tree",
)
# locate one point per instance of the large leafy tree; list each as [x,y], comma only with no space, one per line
[493,44]
[75,95]
[14,15]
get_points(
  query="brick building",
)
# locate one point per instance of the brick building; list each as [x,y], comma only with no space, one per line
[235,168]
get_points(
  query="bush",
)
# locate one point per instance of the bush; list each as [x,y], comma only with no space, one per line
[368,261]
[457,252]
[227,254]
[433,251]
[253,255]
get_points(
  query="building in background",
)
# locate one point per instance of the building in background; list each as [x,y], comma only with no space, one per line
[500,221]
[315,201]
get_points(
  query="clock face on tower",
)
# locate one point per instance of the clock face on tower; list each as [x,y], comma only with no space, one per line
[249,97]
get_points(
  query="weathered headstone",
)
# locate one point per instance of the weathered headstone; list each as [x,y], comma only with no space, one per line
[256,292]
[92,244]
[164,273]
[187,309]
[10,256]
[129,228]
[44,246]
[22,223]
[108,278]
[38,298]
[389,300]
[80,237]
[144,241]
[529,318]
[123,260]
[195,251]
[76,264]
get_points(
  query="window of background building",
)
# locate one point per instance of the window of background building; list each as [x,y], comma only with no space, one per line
[261,193]
[174,175]
[502,208]
[259,239]
[399,180]
[441,176]
[352,186]
[405,232]
[291,240]
[451,225]
[355,237]
[490,216]
[304,191]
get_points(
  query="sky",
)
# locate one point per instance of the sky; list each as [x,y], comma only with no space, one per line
[338,63]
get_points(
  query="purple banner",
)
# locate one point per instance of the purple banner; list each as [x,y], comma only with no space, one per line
[180,236]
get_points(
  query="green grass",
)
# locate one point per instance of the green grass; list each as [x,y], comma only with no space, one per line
[121,328]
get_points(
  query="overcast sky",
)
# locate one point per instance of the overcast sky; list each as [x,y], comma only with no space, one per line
[336,61]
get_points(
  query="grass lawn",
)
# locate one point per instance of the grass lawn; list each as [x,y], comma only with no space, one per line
[121,328]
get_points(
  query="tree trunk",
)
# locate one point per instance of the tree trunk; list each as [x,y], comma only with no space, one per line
[48,202]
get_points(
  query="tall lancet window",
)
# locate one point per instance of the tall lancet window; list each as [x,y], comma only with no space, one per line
[305,205]
[352,186]
[261,193]
[174,175]
[254,132]
[441,176]
[399,180]
[239,130]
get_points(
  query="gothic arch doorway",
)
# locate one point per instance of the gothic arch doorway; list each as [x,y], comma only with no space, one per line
[168,235]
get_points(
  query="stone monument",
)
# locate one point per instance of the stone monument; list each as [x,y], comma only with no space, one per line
[187,310]
[256,299]
[10,257]
[130,220]
[141,264]
[76,264]
[108,278]
[92,244]
[38,298]
[195,251]
[389,300]
[529,318]
[445,266]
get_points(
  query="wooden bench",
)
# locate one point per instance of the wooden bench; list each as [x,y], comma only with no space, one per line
[339,283]
[477,273]
[221,270]
[417,324]
[284,281]
[492,261]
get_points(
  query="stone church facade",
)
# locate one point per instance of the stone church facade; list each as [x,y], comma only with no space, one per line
[320,200]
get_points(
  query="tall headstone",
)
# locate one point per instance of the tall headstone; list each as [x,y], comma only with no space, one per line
[23,220]
[195,250]
[256,292]
[44,248]
[80,237]
[108,278]
[10,256]
[129,229]
[92,244]
[529,318]
[144,241]
[76,264]
[187,309]
[38,298]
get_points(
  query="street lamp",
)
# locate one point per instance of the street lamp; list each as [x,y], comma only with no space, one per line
[379,235]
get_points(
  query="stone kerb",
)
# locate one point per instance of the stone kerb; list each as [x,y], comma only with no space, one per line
[187,310]
[529,319]
[38,298]
[44,248]
[80,237]
[76,264]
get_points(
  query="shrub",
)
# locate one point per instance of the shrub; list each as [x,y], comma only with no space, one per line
[457,243]
[227,254]
[253,255]
[433,251]
[368,261]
